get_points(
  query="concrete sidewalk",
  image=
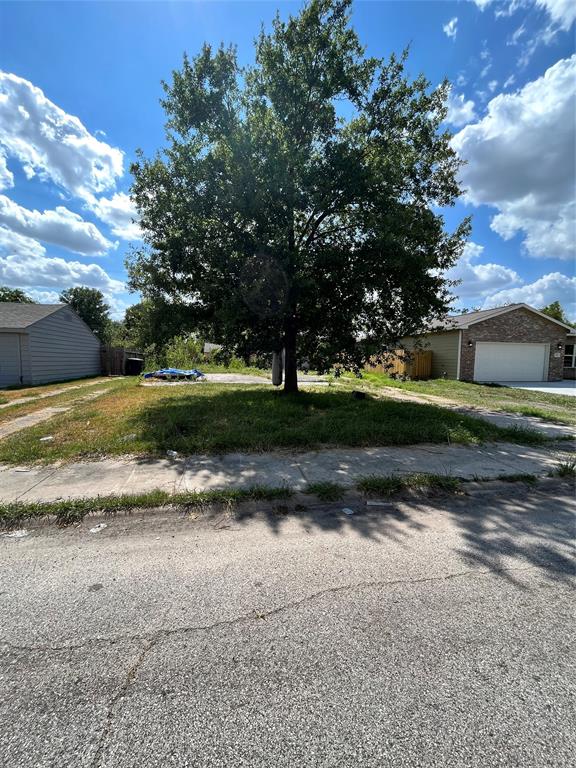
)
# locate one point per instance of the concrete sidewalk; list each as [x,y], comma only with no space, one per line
[242,470]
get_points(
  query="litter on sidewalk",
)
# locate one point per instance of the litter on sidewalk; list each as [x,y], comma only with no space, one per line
[19,534]
[98,528]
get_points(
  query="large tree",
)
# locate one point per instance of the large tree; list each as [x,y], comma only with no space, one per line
[297,203]
[556,310]
[89,303]
[15,295]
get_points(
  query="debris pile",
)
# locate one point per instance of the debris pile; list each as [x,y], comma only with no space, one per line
[176,374]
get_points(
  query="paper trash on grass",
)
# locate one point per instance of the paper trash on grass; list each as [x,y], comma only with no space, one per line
[47,438]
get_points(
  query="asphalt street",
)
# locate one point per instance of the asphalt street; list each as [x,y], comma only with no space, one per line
[420,633]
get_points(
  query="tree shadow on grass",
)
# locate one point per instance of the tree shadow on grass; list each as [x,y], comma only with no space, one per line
[210,420]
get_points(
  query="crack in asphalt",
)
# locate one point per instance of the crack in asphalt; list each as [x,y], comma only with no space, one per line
[131,675]
[155,636]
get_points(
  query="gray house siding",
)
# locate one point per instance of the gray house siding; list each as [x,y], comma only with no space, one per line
[10,356]
[62,347]
[445,348]
[25,350]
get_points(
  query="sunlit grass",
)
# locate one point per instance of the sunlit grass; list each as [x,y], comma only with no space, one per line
[544,405]
[212,418]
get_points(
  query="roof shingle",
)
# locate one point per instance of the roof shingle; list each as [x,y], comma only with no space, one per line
[19,316]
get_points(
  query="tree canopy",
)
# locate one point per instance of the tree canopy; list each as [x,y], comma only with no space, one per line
[90,305]
[14,295]
[556,310]
[297,204]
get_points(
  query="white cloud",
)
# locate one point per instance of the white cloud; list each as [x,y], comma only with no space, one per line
[479,280]
[561,12]
[561,15]
[6,176]
[44,297]
[52,144]
[451,28]
[492,85]
[59,227]
[118,212]
[460,110]
[24,264]
[520,159]
[548,288]
[509,81]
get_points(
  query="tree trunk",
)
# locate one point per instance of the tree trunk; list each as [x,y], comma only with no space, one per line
[290,365]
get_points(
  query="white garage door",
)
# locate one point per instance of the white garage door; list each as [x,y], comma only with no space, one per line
[9,359]
[503,361]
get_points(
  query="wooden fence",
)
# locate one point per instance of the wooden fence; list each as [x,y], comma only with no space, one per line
[113,359]
[415,365]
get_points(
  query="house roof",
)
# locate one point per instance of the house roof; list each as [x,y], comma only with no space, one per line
[15,316]
[461,322]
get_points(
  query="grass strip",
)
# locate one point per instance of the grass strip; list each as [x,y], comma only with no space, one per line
[326,491]
[566,468]
[69,511]
[518,478]
[374,485]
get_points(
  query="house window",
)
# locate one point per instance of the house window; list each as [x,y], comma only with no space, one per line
[570,356]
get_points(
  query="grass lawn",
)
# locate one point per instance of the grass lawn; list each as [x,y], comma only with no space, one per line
[548,406]
[15,393]
[88,386]
[213,418]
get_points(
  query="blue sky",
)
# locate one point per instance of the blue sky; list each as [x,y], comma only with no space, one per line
[80,89]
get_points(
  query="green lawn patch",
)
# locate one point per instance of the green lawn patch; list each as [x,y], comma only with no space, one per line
[544,405]
[212,418]
[74,510]
[566,468]
[326,491]
[374,485]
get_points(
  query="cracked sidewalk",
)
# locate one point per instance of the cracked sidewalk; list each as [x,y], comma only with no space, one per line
[243,470]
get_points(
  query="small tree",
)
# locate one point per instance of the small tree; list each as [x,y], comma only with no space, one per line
[14,295]
[90,305]
[296,206]
[556,310]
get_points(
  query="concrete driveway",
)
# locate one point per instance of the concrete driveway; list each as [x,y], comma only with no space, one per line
[565,387]
[420,634]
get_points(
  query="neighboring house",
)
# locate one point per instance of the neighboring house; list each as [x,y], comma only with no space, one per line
[513,343]
[45,342]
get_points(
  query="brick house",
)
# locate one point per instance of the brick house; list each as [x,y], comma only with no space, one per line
[513,343]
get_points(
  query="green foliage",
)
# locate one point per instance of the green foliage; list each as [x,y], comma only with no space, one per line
[556,311]
[156,322]
[374,485]
[207,418]
[273,222]
[566,468]
[14,295]
[72,511]
[90,305]
[184,352]
[326,491]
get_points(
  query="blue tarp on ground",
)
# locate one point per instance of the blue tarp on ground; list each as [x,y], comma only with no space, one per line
[175,373]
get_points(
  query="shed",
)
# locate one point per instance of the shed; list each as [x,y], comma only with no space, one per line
[504,344]
[40,343]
